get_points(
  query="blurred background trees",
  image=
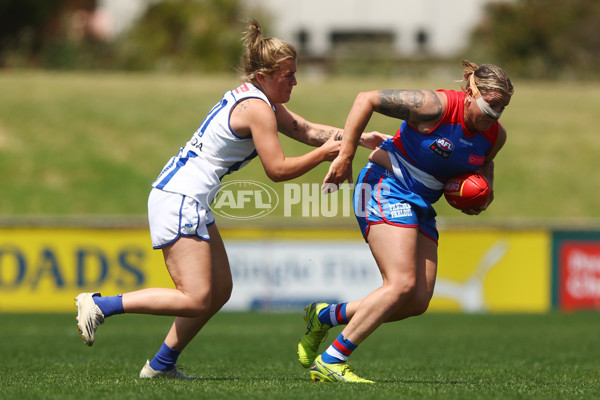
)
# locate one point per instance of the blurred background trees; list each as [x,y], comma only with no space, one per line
[545,39]
[52,34]
[184,35]
[172,35]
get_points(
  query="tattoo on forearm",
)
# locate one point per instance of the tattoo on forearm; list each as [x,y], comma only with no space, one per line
[296,132]
[420,105]
[303,133]
[322,135]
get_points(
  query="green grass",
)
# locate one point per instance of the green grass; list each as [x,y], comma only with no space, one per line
[91,143]
[252,356]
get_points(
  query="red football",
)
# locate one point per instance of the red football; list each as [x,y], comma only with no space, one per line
[466,191]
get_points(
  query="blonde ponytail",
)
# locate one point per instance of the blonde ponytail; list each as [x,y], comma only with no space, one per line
[262,55]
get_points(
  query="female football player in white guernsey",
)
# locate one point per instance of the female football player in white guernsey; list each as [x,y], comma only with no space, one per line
[445,133]
[244,124]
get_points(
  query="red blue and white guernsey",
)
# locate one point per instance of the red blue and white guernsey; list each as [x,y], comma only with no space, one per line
[426,161]
[214,151]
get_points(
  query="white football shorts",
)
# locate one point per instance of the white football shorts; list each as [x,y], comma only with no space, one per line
[173,215]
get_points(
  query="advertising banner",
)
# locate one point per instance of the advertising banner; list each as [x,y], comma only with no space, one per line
[576,271]
[493,270]
[43,269]
[478,271]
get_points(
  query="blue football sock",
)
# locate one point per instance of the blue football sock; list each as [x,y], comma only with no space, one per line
[165,359]
[339,350]
[109,305]
[334,315]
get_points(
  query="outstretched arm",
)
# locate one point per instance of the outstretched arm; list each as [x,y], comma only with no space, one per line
[254,117]
[302,130]
[312,134]
[419,107]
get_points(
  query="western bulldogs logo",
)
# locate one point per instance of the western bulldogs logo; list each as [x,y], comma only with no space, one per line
[442,147]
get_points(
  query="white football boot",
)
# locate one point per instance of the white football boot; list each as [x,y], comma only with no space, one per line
[89,316]
[148,373]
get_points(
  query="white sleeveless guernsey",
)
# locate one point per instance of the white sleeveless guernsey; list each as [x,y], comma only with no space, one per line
[214,151]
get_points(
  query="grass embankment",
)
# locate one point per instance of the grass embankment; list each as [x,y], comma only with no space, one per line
[91,144]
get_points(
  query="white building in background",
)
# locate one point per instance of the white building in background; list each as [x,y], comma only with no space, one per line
[121,14]
[409,28]
[413,27]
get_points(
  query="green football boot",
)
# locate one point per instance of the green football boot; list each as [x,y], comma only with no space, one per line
[315,334]
[339,372]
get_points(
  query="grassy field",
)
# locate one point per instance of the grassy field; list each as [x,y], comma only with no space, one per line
[252,356]
[74,144]
[91,144]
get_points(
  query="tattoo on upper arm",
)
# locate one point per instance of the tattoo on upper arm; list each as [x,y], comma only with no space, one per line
[242,105]
[418,105]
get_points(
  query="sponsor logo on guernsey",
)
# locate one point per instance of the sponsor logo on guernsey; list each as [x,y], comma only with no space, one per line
[243,88]
[476,160]
[442,147]
[465,142]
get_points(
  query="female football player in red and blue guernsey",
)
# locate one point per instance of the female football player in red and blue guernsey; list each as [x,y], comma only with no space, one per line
[444,133]
[243,125]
